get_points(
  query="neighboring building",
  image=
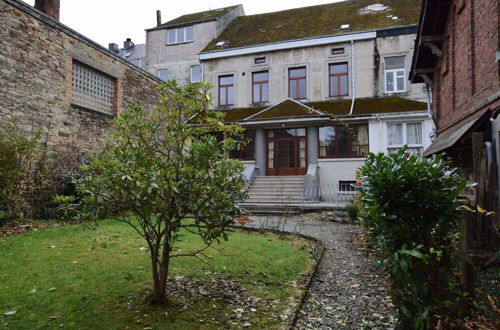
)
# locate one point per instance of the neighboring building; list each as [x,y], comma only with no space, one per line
[135,54]
[317,89]
[55,80]
[457,53]
[173,47]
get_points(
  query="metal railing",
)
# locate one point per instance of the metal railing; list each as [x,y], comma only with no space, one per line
[326,193]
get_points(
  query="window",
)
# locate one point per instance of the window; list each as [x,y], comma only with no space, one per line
[395,80]
[297,83]
[347,186]
[226,90]
[260,87]
[405,133]
[342,142]
[196,73]
[260,60]
[93,89]
[180,35]
[246,152]
[337,51]
[338,79]
[163,74]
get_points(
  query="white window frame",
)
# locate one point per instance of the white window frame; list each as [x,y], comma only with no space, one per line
[395,76]
[173,42]
[395,147]
[191,73]
[159,74]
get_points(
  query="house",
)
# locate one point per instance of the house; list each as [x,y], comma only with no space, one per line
[55,80]
[317,88]
[457,54]
[136,54]
[172,47]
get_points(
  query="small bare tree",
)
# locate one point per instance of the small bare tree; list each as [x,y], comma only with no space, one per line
[163,166]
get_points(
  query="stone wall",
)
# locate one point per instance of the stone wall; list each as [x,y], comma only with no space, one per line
[35,79]
[467,76]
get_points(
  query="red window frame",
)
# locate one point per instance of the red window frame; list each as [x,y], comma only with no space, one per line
[226,87]
[297,84]
[337,77]
[260,83]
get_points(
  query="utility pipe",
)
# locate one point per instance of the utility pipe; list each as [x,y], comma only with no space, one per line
[353,85]
[429,110]
[489,153]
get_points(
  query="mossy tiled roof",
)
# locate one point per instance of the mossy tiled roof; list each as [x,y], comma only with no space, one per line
[198,17]
[362,107]
[316,21]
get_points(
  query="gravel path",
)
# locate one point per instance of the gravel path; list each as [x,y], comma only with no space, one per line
[348,291]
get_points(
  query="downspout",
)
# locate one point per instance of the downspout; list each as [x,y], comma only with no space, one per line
[489,154]
[353,85]
[429,110]
[202,76]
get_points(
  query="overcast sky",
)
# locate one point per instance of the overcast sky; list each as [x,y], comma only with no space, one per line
[106,21]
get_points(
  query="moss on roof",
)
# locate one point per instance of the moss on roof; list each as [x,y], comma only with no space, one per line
[368,106]
[197,17]
[316,21]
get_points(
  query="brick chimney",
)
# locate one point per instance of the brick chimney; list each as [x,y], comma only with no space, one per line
[49,7]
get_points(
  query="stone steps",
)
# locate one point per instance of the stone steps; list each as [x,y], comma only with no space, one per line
[275,191]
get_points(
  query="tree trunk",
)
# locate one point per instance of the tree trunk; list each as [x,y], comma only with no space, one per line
[160,275]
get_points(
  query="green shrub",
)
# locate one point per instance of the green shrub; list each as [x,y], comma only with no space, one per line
[67,207]
[409,208]
[23,172]
[352,211]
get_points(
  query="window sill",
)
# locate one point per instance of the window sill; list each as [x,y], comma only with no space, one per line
[180,43]
[107,114]
[340,159]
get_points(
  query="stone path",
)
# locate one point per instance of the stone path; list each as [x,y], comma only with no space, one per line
[348,291]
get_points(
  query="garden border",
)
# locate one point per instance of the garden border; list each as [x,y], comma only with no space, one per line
[318,251]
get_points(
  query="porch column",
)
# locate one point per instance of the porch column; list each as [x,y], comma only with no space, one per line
[312,144]
[260,150]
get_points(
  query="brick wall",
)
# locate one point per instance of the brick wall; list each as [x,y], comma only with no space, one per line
[467,76]
[35,79]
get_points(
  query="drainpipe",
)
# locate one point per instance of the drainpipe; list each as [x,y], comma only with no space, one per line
[379,126]
[202,78]
[489,153]
[353,85]
[429,111]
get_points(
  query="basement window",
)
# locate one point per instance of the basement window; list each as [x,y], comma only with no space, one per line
[260,60]
[337,51]
[93,89]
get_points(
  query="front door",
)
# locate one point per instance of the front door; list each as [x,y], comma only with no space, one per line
[286,151]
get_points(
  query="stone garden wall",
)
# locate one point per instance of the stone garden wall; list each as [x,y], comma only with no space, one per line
[36,54]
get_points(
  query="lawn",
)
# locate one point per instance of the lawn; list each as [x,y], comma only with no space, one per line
[76,278]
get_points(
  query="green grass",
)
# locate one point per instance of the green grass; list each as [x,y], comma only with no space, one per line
[102,280]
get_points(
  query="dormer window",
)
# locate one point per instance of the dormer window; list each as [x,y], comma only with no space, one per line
[180,35]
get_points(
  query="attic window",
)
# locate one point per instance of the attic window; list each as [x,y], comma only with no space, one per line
[344,26]
[337,51]
[180,35]
[260,60]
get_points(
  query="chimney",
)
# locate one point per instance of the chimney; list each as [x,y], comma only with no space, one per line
[128,44]
[49,7]
[158,17]
[113,47]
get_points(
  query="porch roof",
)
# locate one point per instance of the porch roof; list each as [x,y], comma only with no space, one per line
[291,108]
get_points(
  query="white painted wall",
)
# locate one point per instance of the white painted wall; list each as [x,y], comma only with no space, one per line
[378,135]
[331,171]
